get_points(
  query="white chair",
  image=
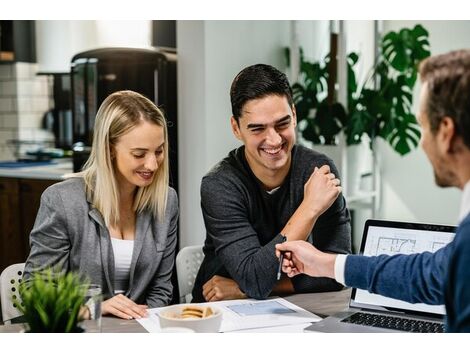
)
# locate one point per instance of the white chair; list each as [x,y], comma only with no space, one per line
[188,261]
[9,280]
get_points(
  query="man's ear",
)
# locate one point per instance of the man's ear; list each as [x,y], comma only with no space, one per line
[446,135]
[235,128]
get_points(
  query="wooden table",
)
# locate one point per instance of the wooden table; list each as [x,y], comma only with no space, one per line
[323,304]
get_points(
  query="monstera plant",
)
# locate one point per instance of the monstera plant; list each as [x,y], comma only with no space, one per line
[382,106]
[324,118]
[379,107]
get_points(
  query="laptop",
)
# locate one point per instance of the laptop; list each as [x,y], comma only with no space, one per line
[375,313]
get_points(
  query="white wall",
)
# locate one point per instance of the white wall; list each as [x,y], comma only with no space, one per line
[58,41]
[314,38]
[192,123]
[128,34]
[210,54]
[360,39]
[409,191]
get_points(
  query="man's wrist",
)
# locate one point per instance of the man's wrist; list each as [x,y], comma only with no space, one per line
[309,211]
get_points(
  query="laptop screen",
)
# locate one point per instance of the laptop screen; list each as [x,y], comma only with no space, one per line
[390,237]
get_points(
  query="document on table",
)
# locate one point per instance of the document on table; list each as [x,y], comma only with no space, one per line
[247,314]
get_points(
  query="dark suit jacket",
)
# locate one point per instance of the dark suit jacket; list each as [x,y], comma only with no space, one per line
[457,295]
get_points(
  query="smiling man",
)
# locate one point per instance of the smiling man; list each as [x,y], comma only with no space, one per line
[267,191]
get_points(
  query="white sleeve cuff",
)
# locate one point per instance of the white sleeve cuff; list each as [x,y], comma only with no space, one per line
[340,264]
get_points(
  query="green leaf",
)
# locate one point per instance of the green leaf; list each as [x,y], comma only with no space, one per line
[353,58]
[329,120]
[310,133]
[352,82]
[287,56]
[405,135]
[395,50]
[359,123]
[404,50]
[421,47]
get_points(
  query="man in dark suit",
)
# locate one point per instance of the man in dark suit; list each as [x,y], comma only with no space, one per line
[433,278]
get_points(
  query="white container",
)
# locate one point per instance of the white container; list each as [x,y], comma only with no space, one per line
[169,317]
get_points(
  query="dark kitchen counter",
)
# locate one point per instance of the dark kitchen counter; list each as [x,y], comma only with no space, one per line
[55,170]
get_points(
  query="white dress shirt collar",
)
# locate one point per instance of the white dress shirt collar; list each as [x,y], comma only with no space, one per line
[465,203]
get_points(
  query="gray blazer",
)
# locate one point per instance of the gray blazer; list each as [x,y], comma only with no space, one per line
[70,233]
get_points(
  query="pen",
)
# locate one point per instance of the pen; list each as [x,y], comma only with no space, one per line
[281,258]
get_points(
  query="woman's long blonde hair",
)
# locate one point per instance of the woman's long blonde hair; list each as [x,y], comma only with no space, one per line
[118,114]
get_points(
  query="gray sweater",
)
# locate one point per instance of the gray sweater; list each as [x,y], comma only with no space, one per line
[243,223]
[71,234]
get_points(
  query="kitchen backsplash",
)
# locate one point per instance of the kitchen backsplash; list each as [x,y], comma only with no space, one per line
[24,99]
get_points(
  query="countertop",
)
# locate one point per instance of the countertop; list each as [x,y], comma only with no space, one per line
[54,171]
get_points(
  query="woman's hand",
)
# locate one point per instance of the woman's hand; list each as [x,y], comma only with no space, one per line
[123,307]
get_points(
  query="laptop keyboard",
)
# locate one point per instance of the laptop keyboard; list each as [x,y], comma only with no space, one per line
[396,323]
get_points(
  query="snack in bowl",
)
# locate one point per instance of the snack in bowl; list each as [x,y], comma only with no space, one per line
[199,318]
[196,312]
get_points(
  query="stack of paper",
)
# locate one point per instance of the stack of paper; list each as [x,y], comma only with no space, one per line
[245,314]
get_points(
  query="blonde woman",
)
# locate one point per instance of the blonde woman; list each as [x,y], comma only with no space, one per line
[116,220]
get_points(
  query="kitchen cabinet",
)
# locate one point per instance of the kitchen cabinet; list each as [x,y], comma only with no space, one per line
[17,41]
[10,238]
[19,203]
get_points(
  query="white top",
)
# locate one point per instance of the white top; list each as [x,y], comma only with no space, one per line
[340,262]
[122,263]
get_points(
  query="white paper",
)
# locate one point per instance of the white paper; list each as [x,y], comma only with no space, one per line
[246,314]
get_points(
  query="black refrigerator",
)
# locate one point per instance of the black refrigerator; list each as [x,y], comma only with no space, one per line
[97,73]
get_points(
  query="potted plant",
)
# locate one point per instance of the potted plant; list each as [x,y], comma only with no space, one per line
[382,106]
[379,107]
[321,117]
[53,301]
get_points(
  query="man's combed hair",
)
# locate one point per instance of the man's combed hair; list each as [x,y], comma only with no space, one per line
[118,114]
[255,82]
[448,81]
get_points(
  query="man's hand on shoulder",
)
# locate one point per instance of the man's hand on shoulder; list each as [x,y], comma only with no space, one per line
[219,288]
[321,190]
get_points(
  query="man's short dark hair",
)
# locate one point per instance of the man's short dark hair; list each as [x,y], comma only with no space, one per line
[255,82]
[448,81]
